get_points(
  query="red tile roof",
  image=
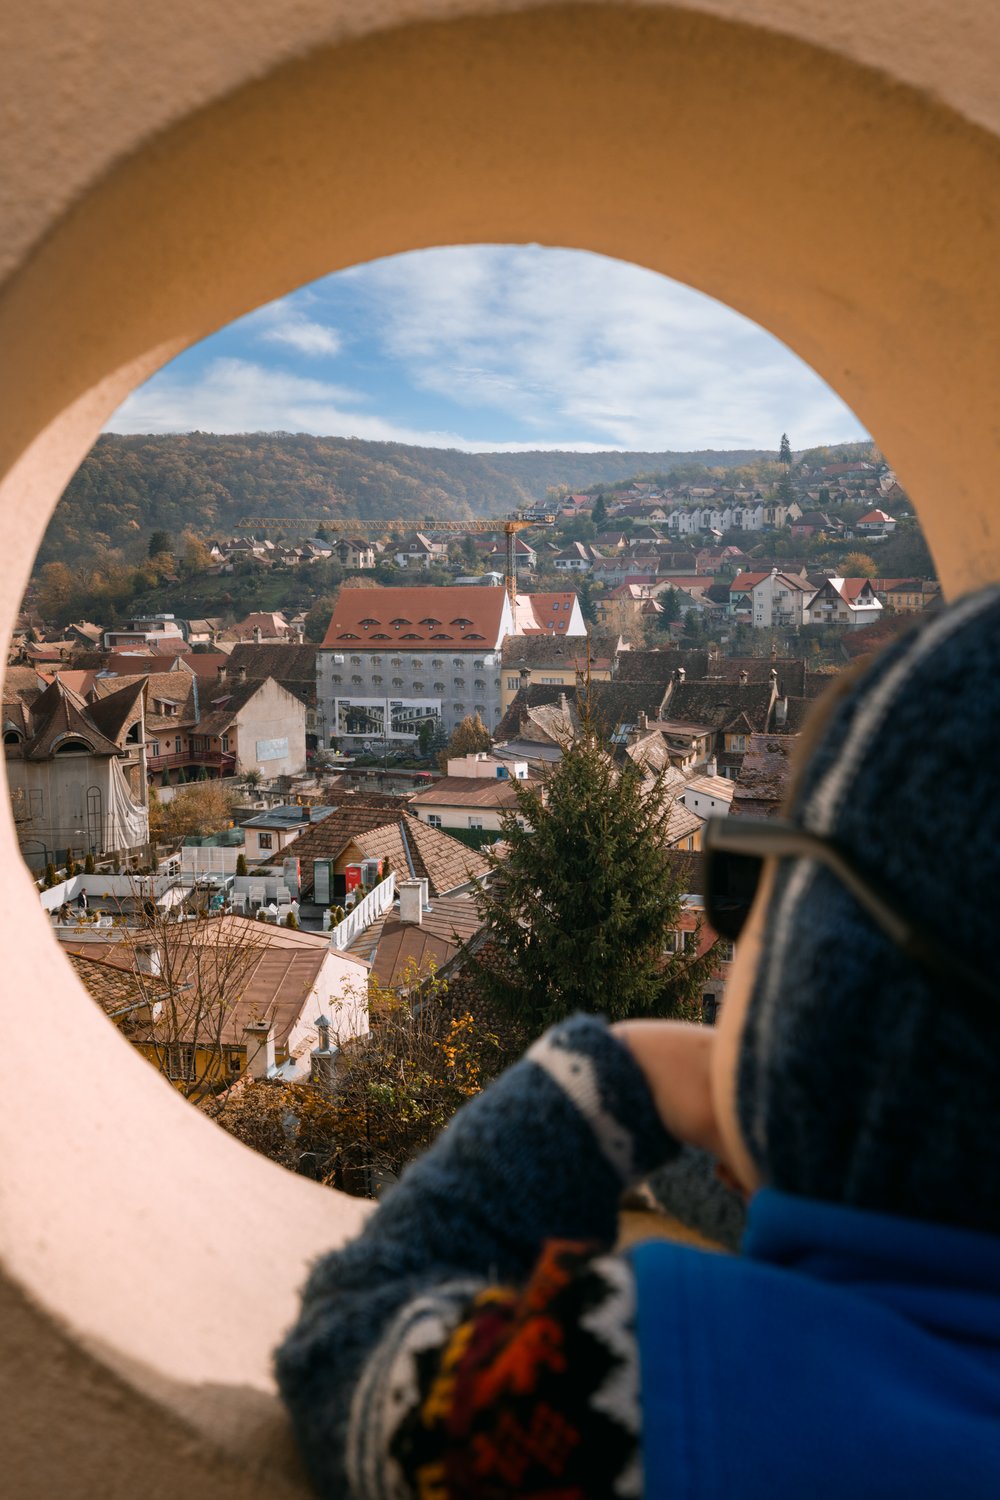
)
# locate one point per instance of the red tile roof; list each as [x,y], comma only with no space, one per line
[466,619]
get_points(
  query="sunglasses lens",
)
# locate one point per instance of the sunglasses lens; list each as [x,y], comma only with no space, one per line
[732,885]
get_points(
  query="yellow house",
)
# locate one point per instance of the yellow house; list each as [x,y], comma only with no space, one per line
[553,662]
[232,996]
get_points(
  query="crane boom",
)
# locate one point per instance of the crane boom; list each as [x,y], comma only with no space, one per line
[509,525]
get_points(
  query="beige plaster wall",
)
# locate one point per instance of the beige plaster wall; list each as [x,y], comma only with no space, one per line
[830,170]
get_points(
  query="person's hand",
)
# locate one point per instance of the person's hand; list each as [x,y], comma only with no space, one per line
[675,1059]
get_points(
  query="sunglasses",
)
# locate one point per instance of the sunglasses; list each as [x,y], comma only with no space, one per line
[735,850]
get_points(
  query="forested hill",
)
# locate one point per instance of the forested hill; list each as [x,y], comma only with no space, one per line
[129,486]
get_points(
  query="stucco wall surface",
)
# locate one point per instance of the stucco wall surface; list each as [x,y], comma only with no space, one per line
[832,171]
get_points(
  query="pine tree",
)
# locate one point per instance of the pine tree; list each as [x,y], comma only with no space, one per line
[599,514]
[785,450]
[159,542]
[580,911]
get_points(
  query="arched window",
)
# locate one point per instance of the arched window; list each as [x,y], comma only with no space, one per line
[74,747]
[11,737]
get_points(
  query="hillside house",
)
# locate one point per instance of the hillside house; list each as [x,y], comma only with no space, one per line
[851,602]
[875,525]
[420,551]
[354,553]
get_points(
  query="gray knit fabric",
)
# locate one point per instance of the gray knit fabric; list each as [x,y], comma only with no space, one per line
[863,1081]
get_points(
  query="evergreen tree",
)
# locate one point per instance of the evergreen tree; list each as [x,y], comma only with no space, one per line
[785,450]
[160,541]
[581,910]
[585,595]
[785,490]
[671,609]
[600,512]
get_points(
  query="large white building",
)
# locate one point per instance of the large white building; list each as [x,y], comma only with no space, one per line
[395,659]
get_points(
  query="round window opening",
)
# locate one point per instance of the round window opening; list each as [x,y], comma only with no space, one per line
[681,470]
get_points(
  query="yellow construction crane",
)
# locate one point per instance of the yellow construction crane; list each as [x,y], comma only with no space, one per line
[509,525]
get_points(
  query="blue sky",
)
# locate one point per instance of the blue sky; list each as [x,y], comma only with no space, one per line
[494,347]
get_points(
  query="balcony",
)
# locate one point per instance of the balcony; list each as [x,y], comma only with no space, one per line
[223,760]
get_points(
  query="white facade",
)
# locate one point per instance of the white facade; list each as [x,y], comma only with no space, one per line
[80,802]
[487,767]
[339,992]
[271,732]
[828,606]
[708,796]
[777,600]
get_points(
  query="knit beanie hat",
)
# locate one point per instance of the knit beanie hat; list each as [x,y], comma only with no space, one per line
[863,1080]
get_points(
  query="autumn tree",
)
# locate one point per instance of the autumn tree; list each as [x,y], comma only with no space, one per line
[859,565]
[581,910]
[57,591]
[392,1090]
[195,556]
[203,808]
[468,738]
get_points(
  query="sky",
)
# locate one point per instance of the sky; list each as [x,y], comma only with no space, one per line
[491,348]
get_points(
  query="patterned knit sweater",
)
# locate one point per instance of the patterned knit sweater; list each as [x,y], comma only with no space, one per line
[478,1338]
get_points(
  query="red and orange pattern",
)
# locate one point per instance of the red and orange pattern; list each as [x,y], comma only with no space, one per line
[506,1406]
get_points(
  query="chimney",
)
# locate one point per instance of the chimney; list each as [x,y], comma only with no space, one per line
[221,674]
[411,902]
[712,766]
[773,677]
[643,720]
[781,711]
[243,674]
[258,1038]
[257,637]
[324,1057]
[744,677]
[525,677]
[680,674]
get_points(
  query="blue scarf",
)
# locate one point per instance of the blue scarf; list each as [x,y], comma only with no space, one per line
[845,1354]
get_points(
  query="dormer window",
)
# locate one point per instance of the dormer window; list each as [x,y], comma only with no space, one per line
[461,623]
[74,747]
[366,623]
[11,737]
[410,635]
[399,623]
[430,621]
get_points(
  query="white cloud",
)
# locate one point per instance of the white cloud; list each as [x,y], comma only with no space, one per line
[235,395]
[306,337]
[286,322]
[544,348]
[563,340]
